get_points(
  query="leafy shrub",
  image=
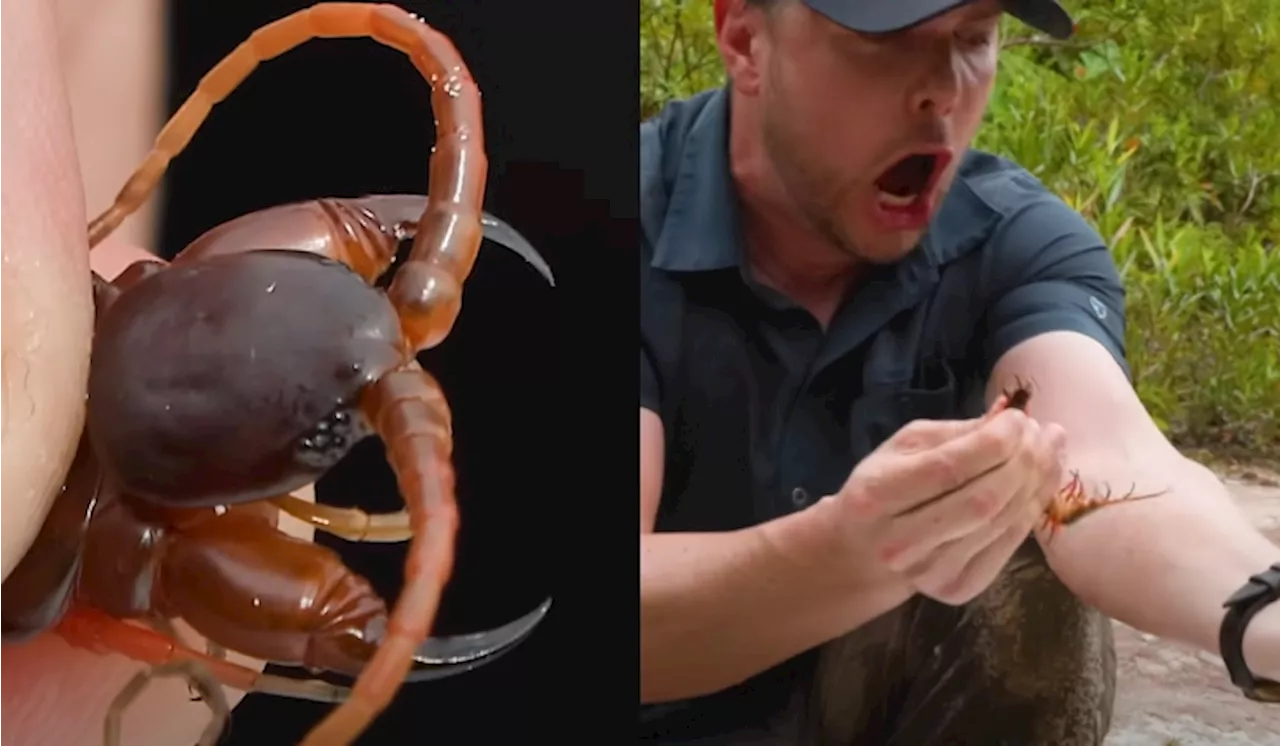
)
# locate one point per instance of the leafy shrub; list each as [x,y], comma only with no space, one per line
[1158,121]
[678,54]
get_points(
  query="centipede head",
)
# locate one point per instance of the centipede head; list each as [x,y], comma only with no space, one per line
[1019,395]
[224,381]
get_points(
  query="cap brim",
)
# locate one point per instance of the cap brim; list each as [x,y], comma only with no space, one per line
[887,16]
[1043,15]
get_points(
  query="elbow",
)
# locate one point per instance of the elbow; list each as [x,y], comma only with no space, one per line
[660,683]
[664,676]
[678,659]
[659,692]
[658,695]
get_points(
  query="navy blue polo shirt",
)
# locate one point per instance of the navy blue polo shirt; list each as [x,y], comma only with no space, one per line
[764,412]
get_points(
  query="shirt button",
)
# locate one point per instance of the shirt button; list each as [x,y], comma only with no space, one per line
[799,497]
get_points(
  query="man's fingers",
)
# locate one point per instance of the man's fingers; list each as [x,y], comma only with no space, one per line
[890,483]
[921,435]
[957,571]
[983,502]
[942,565]
[979,557]
[985,567]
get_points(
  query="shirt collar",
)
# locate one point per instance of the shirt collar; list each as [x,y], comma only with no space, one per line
[702,230]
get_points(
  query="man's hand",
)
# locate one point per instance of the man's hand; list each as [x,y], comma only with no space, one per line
[946,503]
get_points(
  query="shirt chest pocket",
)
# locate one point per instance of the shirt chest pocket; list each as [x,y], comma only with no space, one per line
[936,391]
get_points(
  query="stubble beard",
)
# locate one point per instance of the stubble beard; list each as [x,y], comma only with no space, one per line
[804,182]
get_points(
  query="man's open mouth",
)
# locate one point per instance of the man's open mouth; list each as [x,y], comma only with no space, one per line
[914,175]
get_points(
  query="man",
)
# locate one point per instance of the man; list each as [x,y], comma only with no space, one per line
[833,290]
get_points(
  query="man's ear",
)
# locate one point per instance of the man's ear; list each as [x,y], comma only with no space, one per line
[740,29]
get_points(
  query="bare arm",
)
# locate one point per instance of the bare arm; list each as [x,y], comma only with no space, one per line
[718,608]
[1163,565]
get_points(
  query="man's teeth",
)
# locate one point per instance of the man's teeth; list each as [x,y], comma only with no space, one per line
[894,200]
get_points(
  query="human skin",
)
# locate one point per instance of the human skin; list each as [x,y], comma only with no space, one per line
[113,62]
[47,312]
[717,608]
[51,693]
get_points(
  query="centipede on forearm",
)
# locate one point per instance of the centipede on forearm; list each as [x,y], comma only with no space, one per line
[1073,502]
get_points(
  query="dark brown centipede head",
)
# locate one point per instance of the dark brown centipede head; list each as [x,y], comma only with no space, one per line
[1020,395]
[236,378]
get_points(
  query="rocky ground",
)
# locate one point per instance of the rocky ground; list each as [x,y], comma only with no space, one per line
[1172,696]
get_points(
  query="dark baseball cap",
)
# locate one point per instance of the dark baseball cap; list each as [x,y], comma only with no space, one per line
[885,16]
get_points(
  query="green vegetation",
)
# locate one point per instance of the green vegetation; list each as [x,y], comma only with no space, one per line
[1160,122]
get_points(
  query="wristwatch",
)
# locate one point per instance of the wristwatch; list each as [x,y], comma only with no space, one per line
[1261,591]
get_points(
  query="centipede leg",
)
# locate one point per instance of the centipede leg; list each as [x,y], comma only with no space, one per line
[165,627]
[100,633]
[1073,503]
[198,677]
[409,412]
[351,524]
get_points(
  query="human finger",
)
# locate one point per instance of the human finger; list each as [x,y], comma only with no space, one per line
[923,434]
[981,570]
[969,510]
[962,568]
[47,310]
[890,484]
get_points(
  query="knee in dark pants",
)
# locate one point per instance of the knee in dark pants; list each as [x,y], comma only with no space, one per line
[1024,664]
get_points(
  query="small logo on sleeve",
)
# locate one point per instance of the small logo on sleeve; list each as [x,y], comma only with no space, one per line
[1098,309]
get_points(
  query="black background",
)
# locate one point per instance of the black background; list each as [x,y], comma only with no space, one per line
[540,380]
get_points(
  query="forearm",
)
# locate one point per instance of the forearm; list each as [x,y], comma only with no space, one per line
[717,608]
[1166,565]
[47,305]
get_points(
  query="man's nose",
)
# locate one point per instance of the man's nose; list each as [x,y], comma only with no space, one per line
[939,88]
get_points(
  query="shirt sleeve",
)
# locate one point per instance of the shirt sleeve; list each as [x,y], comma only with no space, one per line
[650,392]
[1055,274]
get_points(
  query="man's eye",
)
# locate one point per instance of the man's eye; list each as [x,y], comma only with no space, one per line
[974,38]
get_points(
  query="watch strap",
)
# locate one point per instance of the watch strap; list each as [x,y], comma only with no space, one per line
[1262,590]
